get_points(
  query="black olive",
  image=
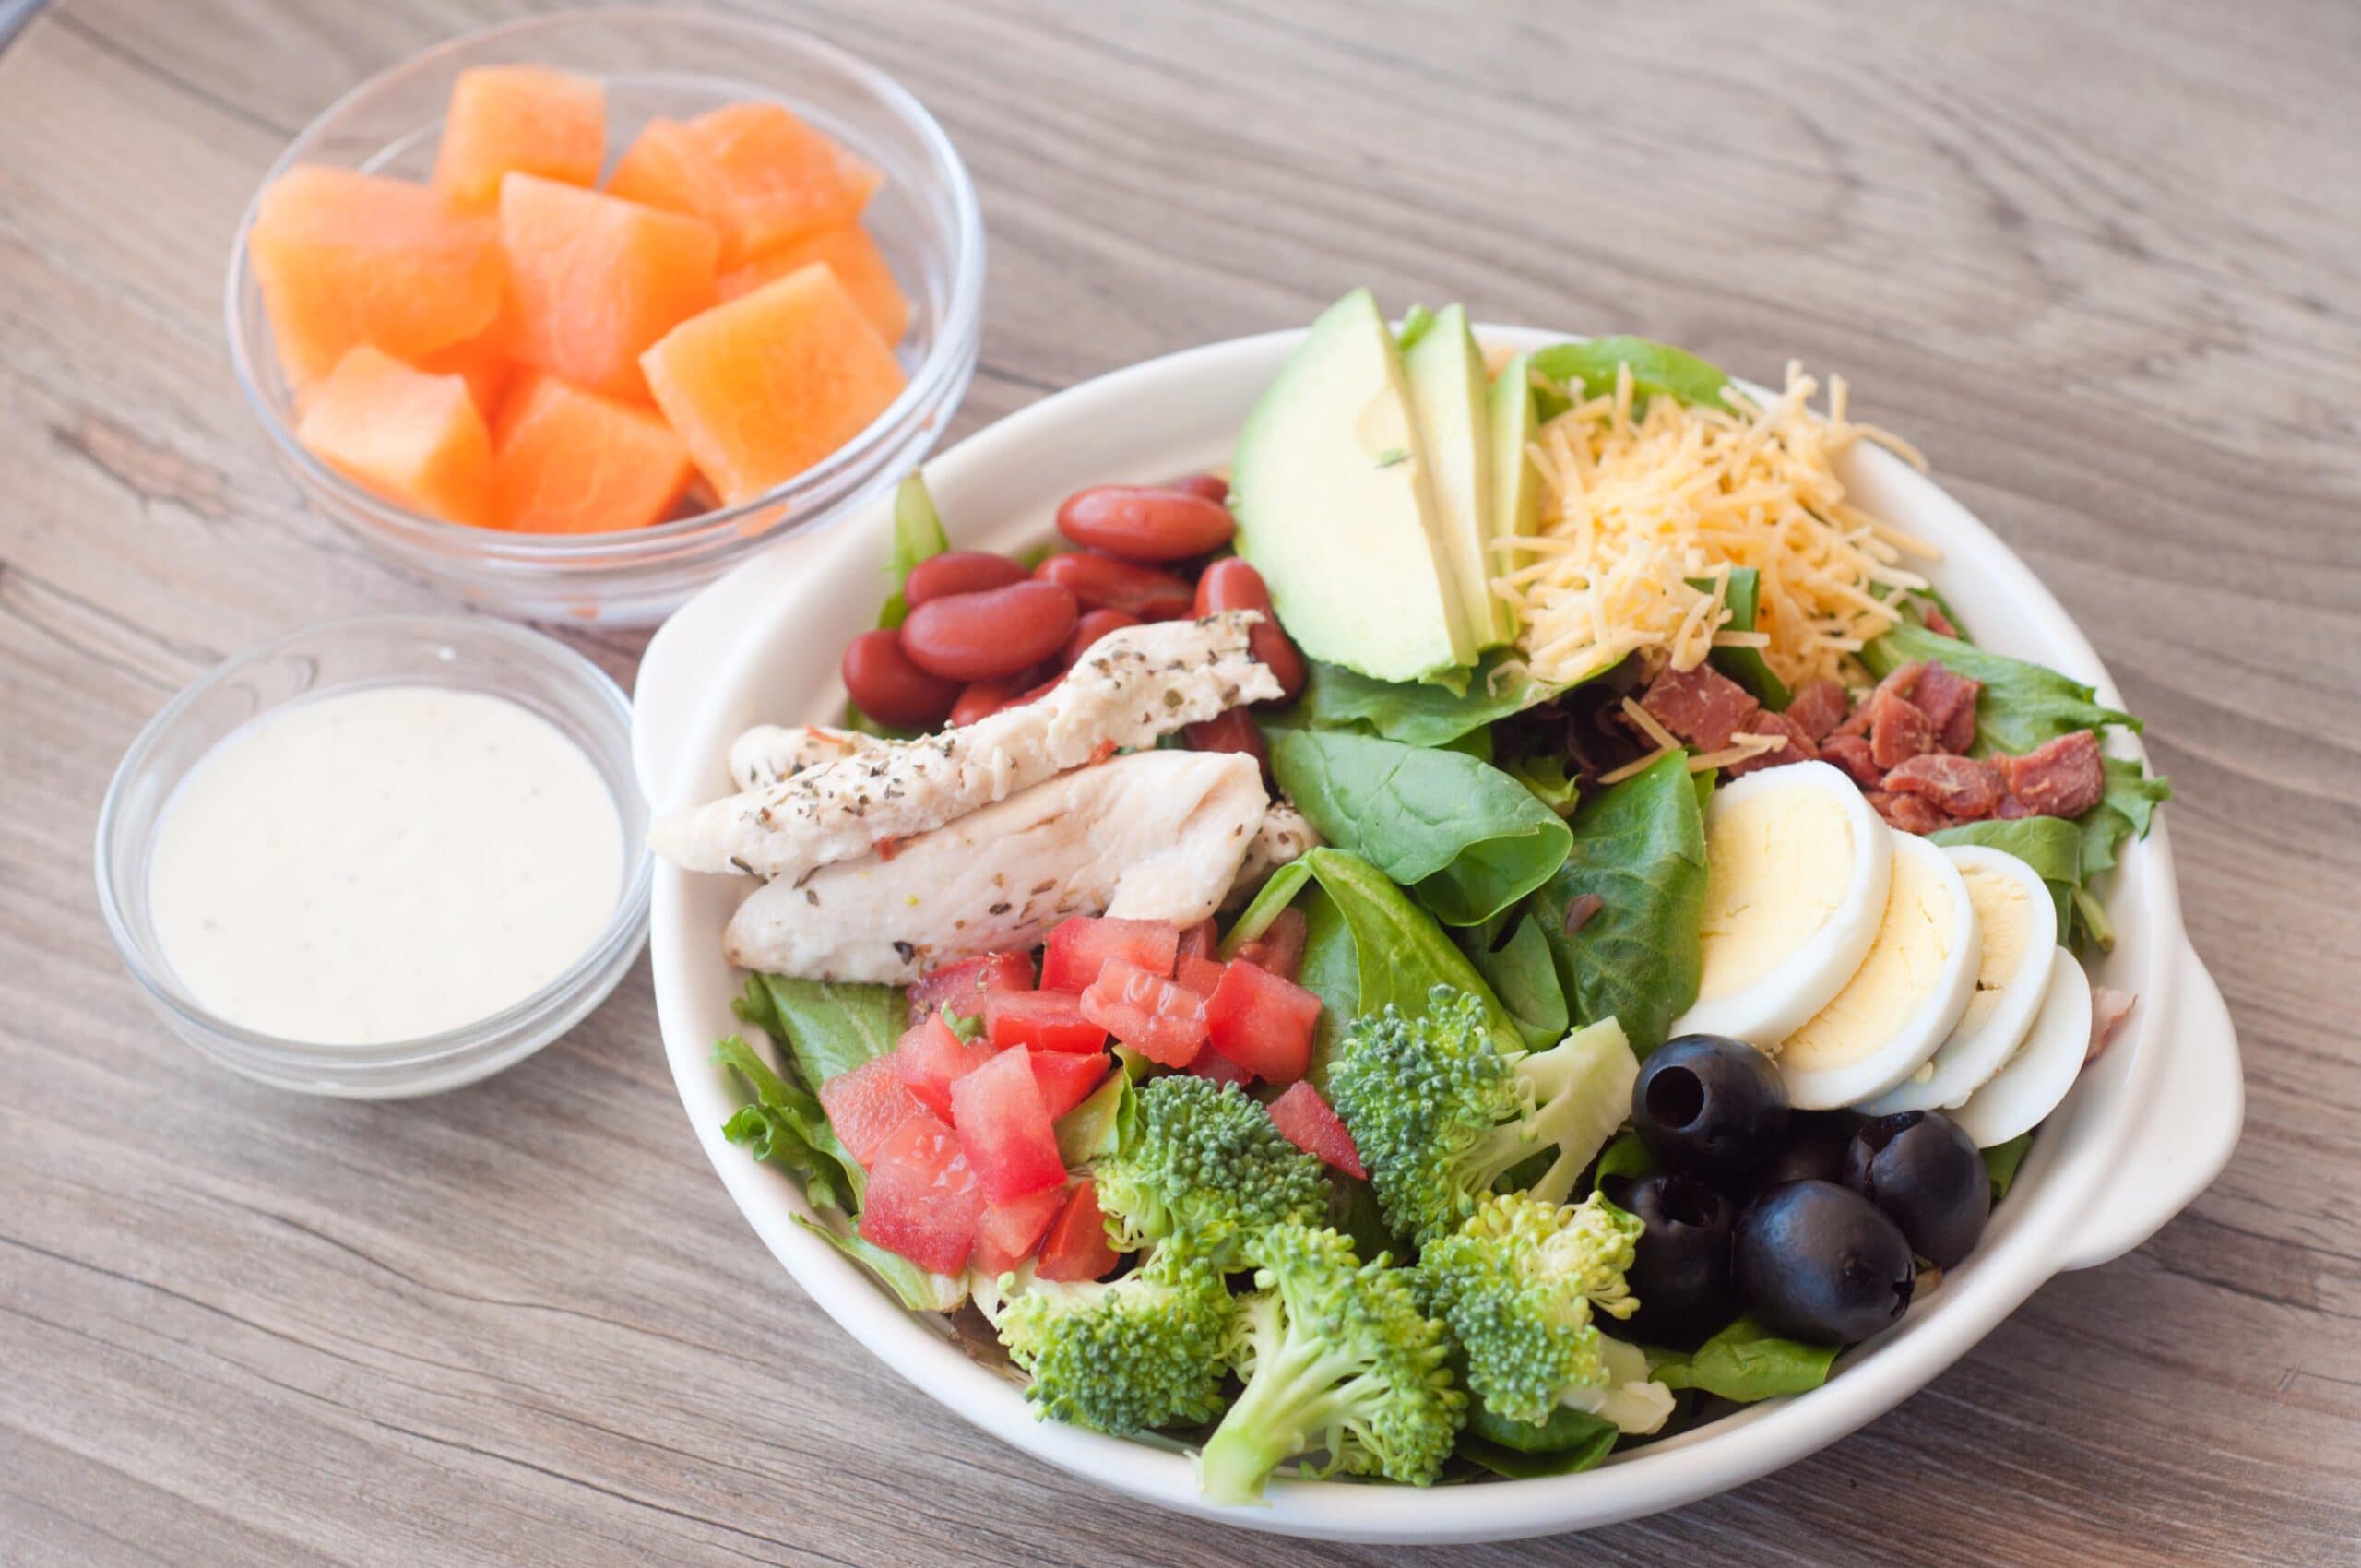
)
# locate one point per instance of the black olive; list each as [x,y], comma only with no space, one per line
[1681,1270]
[1814,1150]
[1710,1106]
[1818,1263]
[1928,1176]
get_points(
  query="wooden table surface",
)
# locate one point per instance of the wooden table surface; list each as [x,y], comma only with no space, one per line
[2100,260]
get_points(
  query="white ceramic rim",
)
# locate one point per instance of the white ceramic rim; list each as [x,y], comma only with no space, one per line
[2161,1114]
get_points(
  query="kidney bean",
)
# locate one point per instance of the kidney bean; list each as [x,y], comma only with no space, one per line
[1094,624]
[1101,582]
[982,699]
[1233,732]
[1233,583]
[890,688]
[988,635]
[1143,524]
[959,571]
[1213,487]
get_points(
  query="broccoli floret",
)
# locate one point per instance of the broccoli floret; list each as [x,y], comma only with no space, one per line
[1204,1166]
[1338,1359]
[1517,1283]
[1145,1350]
[1441,1108]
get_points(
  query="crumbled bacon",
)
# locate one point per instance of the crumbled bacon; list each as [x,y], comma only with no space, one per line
[1798,746]
[1950,701]
[1818,706]
[1702,705]
[1899,684]
[2108,1009]
[1851,753]
[1961,788]
[1899,730]
[2061,778]
[1908,813]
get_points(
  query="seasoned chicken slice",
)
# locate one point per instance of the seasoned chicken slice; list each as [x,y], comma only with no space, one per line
[1152,836]
[1132,688]
[773,753]
[1286,835]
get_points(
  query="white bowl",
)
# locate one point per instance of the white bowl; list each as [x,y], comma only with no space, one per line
[2148,1128]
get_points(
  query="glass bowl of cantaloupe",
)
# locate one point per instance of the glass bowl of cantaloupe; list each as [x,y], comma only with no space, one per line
[572,314]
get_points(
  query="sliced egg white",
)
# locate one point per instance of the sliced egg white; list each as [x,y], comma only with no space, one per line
[1905,998]
[2017,919]
[2045,1068]
[1797,867]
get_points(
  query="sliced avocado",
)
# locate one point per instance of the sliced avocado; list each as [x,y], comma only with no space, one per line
[1334,507]
[1516,488]
[1455,423]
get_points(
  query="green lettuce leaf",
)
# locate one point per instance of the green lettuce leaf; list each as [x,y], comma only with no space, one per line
[1570,1441]
[1744,1363]
[1625,1155]
[1417,713]
[2021,705]
[828,1027]
[1465,837]
[1572,372]
[785,1124]
[1746,665]
[1097,1128]
[1547,779]
[2000,1162]
[912,1286]
[918,534]
[1640,845]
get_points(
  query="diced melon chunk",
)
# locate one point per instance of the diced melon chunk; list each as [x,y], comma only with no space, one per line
[569,461]
[519,118]
[596,279]
[852,256]
[483,362]
[412,438]
[760,174]
[344,258]
[769,383]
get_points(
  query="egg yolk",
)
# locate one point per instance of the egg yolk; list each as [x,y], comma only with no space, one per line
[1779,866]
[1905,966]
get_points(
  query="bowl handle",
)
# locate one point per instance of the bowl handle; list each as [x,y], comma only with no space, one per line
[687,649]
[2187,1125]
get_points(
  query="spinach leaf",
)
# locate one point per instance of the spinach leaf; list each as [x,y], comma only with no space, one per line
[1744,1363]
[918,534]
[1332,971]
[1523,977]
[785,1124]
[826,1027]
[1417,713]
[1640,845]
[1466,839]
[2000,1162]
[1746,665]
[1578,372]
[2021,706]
[1626,1155]
[1256,918]
[1568,1442]
[1547,779]
[2051,845]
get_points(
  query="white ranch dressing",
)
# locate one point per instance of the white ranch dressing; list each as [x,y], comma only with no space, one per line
[378,864]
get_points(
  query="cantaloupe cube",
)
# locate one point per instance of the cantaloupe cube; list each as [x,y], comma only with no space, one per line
[596,279]
[528,118]
[344,258]
[483,362]
[758,173]
[852,256]
[564,460]
[412,438]
[767,385]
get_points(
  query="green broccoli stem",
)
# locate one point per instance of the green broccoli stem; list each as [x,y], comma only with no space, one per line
[1295,1400]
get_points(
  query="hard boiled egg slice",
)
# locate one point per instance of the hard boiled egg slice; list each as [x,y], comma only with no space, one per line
[1797,872]
[2018,921]
[1906,998]
[2044,1068]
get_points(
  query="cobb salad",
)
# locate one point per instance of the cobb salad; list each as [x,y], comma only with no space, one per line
[1512,920]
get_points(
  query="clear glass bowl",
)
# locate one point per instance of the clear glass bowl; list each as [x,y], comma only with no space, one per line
[673,64]
[468,652]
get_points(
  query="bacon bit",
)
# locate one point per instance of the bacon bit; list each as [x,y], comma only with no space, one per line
[887,849]
[1100,752]
[2109,1008]
[1579,912]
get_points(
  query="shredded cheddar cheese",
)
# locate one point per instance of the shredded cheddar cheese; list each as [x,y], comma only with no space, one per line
[1635,512]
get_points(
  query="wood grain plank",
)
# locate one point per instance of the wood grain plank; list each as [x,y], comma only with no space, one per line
[2096,260]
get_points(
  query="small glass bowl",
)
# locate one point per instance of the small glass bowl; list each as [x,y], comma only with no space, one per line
[468,653]
[676,64]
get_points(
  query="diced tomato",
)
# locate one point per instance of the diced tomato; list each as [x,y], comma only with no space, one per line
[1199,941]
[923,1199]
[1308,1123]
[1164,1022]
[1262,1022]
[1212,1063]
[1078,948]
[865,1105]
[1005,1127]
[1067,1077]
[1076,1248]
[1200,975]
[1279,950]
[1044,1020]
[930,1058]
[961,985]
[1007,1234]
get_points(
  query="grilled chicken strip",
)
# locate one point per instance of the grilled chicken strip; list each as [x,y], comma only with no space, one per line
[1132,688]
[773,753]
[1286,835]
[1152,836]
